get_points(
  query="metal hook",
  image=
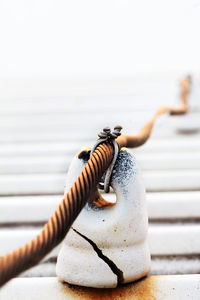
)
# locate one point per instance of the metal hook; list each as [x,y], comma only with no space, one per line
[107,135]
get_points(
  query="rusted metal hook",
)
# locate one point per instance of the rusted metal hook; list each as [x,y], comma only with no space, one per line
[107,135]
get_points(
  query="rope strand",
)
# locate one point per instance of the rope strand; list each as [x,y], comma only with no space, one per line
[59,224]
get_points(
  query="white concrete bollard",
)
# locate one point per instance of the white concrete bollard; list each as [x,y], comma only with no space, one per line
[190,122]
[108,246]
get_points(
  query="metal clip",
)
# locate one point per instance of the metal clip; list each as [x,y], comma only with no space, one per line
[107,135]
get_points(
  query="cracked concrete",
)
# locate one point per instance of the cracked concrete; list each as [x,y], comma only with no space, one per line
[109,262]
[119,231]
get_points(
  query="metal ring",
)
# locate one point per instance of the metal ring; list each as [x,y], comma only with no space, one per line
[107,135]
[110,168]
[100,141]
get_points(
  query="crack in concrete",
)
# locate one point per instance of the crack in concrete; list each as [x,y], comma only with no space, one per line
[110,263]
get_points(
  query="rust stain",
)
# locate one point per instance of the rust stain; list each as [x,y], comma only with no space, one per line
[143,289]
[99,201]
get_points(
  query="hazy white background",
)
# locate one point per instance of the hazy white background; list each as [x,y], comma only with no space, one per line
[67,38]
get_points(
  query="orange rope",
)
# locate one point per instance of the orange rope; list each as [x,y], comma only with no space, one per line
[133,141]
[59,224]
[84,187]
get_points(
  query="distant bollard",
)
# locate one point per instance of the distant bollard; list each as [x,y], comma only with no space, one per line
[190,122]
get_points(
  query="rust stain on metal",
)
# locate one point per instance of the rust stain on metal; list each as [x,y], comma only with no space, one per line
[143,289]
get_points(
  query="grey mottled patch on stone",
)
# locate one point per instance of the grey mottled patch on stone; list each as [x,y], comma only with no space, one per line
[125,168]
[90,206]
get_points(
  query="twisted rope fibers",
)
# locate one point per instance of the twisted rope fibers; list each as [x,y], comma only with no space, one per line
[54,231]
[59,224]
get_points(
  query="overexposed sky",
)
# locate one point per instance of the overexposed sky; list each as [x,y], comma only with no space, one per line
[62,38]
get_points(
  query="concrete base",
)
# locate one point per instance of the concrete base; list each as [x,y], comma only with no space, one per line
[151,288]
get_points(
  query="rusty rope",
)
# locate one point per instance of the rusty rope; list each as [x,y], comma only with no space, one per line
[59,224]
[83,188]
